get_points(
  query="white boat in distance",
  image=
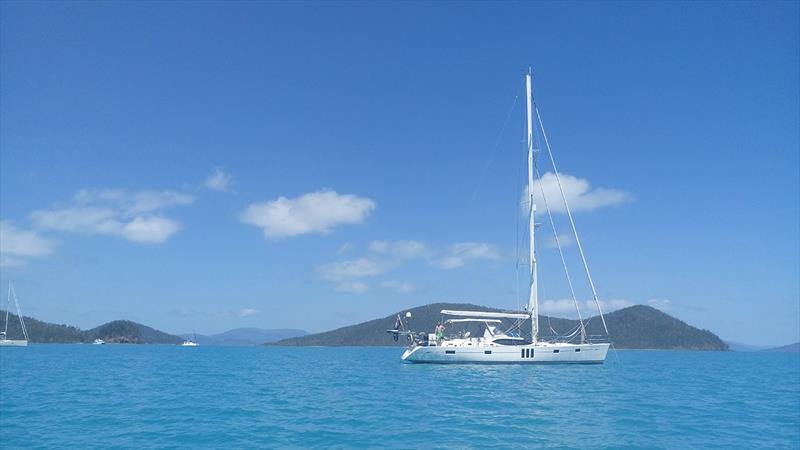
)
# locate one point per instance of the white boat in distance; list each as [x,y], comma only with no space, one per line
[4,340]
[495,345]
[190,342]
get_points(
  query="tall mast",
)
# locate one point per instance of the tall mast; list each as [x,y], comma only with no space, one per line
[533,301]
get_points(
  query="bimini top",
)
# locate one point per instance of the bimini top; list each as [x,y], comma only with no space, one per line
[496,315]
[473,320]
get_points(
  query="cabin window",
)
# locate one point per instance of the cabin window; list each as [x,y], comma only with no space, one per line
[555,351]
[487,352]
[450,352]
[522,353]
[577,349]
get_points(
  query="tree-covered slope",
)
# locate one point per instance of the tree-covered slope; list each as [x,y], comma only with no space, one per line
[39,331]
[634,327]
[118,331]
[127,332]
[643,326]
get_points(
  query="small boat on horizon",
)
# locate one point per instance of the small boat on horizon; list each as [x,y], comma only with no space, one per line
[4,340]
[99,342]
[190,342]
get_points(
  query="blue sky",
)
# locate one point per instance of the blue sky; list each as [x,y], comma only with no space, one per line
[204,166]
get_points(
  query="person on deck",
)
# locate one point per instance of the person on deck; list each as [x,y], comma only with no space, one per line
[439,333]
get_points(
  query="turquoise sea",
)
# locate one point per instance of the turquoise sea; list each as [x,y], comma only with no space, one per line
[128,396]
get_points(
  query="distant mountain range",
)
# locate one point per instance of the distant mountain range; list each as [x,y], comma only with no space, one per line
[246,336]
[740,347]
[794,348]
[128,332]
[637,326]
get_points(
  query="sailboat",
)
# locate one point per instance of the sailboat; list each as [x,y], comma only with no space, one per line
[190,342]
[4,340]
[497,345]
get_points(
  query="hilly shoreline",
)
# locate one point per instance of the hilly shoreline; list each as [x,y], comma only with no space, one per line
[129,332]
[635,327]
[116,332]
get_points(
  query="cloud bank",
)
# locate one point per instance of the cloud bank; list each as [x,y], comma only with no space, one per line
[135,216]
[566,307]
[384,256]
[18,245]
[460,253]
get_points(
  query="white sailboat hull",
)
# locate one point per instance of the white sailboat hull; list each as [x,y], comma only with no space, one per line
[13,343]
[544,353]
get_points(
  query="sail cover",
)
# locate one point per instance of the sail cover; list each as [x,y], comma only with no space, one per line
[474,320]
[494,315]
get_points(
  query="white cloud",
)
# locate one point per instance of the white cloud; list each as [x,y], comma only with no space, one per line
[401,250]
[566,240]
[608,305]
[348,275]
[579,194]
[353,287]
[218,181]
[150,229]
[356,268]
[247,312]
[315,212]
[566,307]
[345,248]
[17,245]
[8,261]
[385,255]
[80,219]
[460,253]
[399,286]
[135,216]
[560,306]
[132,203]
[662,304]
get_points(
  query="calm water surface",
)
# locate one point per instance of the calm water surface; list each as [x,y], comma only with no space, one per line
[127,396]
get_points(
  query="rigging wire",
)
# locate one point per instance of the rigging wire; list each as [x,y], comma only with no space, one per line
[486,170]
[561,252]
[496,144]
[571,221]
